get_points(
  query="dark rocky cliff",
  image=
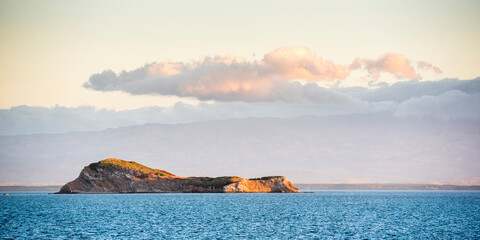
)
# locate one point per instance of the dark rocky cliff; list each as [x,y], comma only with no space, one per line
[119,176]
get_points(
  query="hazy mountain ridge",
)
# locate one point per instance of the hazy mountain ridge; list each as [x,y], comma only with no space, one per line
[349,148]
[386,186]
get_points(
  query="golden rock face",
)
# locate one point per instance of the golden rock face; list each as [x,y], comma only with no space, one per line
[119,176]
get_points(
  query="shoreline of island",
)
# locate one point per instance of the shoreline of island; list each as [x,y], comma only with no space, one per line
[303,186]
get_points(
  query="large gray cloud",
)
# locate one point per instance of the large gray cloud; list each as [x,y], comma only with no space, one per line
[402,91]
[451,105]
[448,99]
[31,120]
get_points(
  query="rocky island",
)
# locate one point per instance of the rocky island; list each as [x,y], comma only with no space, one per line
[119,176]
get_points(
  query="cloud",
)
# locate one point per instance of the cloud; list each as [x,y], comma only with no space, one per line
[396,64]
[428,66]
[402,91]
[33,120]
[448,106]
[300,62]
[230,78]
[448,99]
[276,77]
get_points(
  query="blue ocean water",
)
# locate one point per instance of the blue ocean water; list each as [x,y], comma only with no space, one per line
[318,215]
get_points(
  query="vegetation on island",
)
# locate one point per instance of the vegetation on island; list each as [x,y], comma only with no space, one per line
[268,178]
[137,169]
[213,182]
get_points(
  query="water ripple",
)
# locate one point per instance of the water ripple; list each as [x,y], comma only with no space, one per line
[321,215]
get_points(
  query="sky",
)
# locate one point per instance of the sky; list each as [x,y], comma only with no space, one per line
[49,49]
[91,66]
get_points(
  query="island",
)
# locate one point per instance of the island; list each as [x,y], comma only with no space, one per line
[120,176]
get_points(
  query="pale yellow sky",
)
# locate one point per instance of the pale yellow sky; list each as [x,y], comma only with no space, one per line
[48,49]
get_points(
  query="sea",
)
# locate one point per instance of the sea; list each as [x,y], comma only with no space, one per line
[316,215]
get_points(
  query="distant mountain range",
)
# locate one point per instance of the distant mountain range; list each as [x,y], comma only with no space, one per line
[354,148]
[385,186]
[53,188]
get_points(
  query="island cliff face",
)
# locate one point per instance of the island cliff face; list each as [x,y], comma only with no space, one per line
[119,176]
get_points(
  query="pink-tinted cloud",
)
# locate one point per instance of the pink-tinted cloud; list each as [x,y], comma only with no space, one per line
[300,62]
[396,64]
[232,78]
[428,66]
